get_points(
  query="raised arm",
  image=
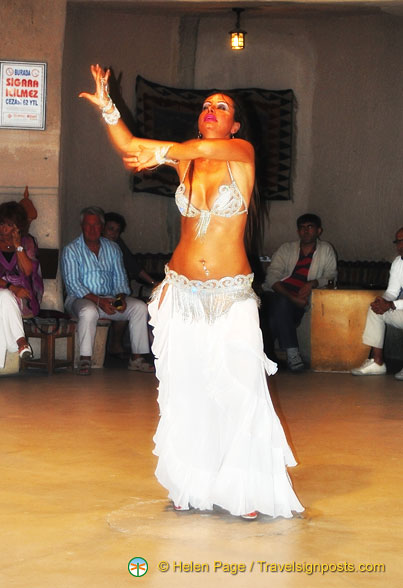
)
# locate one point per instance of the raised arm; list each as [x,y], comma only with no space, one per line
[23,258]
[122,139]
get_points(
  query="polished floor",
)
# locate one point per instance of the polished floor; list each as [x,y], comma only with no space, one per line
[78,498]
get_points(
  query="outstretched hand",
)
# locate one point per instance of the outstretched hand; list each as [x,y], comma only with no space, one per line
[101,95]
[141,158]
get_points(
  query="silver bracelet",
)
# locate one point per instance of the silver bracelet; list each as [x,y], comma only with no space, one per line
[111,118]
[107,106]
[160,155]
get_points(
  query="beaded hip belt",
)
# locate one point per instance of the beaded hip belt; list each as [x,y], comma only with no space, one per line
[205,300]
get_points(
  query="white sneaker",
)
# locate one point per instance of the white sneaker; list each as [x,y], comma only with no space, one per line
[294,360]
[399,375]
[140,365]
[369,368]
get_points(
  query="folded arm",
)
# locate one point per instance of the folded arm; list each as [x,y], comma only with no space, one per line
[297,299]
[394,289]
[144,153]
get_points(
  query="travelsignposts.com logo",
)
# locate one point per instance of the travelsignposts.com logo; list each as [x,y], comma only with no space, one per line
[138,566]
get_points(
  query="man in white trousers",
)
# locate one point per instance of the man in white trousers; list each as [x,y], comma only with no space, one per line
[97,287]
[385,310]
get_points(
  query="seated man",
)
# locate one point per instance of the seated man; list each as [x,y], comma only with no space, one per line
[114,226]
[385,310]
[295,269]
[96,283]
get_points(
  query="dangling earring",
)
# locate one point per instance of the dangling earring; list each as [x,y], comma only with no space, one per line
[232,135]
[199,135]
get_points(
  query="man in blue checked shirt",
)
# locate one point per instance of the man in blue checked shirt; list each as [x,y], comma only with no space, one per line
[97,287]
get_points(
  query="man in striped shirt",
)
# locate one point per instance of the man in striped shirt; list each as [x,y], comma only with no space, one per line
[97,287]
[295,269]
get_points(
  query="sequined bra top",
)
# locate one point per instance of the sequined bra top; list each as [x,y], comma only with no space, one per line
[229,202]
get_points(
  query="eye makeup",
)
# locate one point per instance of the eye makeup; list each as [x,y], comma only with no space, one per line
[221,105]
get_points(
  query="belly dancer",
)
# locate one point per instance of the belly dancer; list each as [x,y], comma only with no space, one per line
[219,440]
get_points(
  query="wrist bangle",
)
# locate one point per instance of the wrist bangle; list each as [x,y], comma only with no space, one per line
[111,118]
[160,155]
[107,106]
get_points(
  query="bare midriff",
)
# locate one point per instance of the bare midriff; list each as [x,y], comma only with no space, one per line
[221,252]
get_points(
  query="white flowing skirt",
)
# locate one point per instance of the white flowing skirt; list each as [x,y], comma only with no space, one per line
[11,325]
[219,440]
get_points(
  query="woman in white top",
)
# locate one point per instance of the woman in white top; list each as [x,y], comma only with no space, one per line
[219,440]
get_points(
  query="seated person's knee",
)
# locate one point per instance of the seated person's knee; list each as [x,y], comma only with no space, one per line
[89,312]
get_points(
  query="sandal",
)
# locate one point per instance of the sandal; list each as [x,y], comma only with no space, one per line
[25,351]
[84,367]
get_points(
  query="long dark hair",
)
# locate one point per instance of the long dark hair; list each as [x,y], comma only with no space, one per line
[254,224]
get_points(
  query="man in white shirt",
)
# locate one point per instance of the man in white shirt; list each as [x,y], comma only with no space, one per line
[295,270]
[385,310]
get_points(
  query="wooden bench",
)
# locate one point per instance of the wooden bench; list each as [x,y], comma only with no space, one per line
[337,323]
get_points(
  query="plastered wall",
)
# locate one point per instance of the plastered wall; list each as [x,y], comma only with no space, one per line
[357,133]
